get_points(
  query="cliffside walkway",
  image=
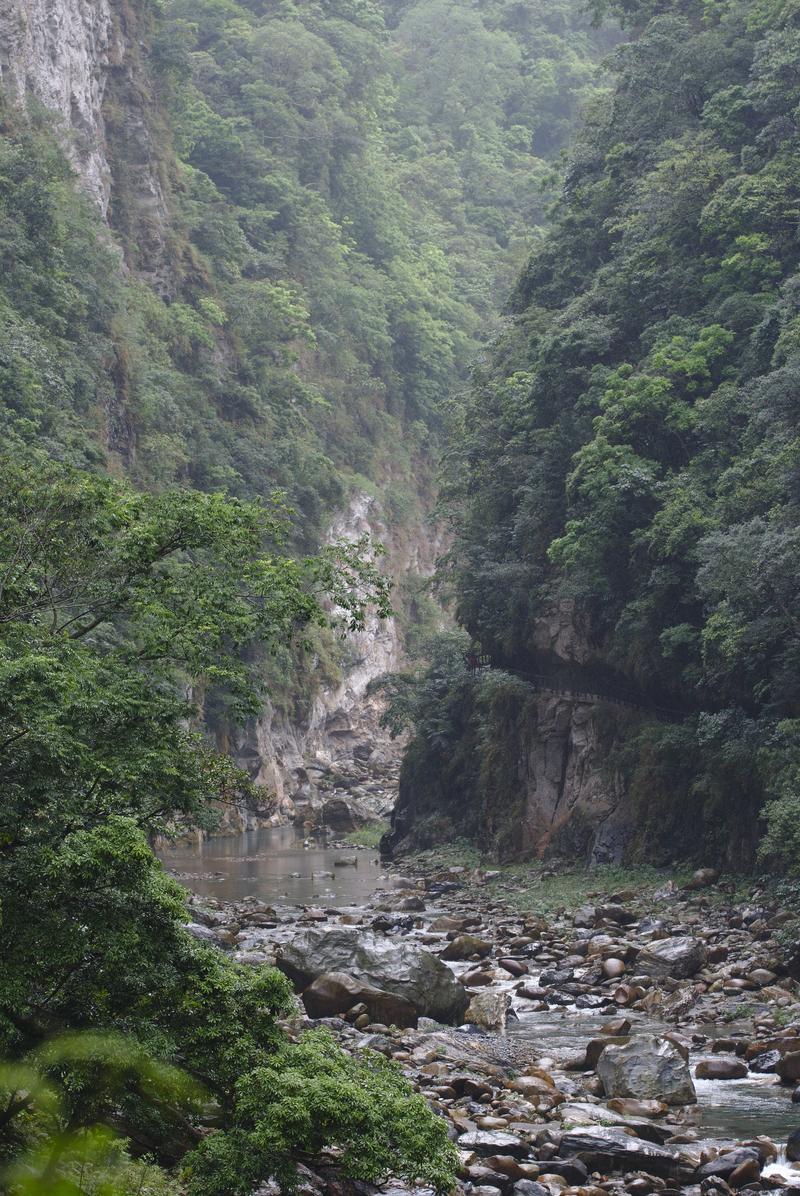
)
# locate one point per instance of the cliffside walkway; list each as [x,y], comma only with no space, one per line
[561,684]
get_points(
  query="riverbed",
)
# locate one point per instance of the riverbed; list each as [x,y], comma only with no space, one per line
[322,878]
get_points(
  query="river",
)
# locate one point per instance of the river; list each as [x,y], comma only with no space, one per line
[276,865]
[280,867]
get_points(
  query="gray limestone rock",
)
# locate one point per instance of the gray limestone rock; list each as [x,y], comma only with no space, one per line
[402,968]
[678,958]
[648,1069]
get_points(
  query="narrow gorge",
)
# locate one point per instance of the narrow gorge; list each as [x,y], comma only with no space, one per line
[399,604]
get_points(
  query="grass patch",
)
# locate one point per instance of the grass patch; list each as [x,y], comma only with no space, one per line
[368,836]
[458,854]
[535,887]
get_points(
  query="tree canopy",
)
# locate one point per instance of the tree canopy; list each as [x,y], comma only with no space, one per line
[120,1033]
[628,451]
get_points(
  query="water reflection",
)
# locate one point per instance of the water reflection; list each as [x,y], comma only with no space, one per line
[274,866]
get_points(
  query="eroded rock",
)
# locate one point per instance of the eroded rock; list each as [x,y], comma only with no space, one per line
[646,1069]
[402,968]
[678,958]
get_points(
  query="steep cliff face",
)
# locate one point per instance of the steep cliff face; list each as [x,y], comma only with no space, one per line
[86,63]
[525,771]
[81,61]
[568,801]
[336,745]
[59,52]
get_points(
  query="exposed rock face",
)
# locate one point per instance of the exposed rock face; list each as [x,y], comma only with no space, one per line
[82,60]
[558,634]
[564,785]
[336,749]
[547,792]
[647,1069]
[544,787]
[60,52]
[402,968]
[678,957]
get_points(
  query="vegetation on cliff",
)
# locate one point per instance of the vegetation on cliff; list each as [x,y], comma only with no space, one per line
[125,1040]
[348,189]
[628,453]
[351,189]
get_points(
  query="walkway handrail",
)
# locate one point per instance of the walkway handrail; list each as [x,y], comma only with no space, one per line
[548,683]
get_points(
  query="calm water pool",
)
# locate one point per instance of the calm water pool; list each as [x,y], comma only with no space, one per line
[274,866]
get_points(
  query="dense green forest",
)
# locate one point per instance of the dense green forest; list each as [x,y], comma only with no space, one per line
[187,396]
[349,202]
[629,452]
[350,191]
[189,393]
[124,1041]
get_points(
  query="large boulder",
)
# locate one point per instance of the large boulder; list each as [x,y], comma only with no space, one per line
[596,1046]
[724,1165]
[678,958]
[647,1069]
[343,815]
[464,946]
[788,1067]
[721,1067]
[487,1143]
[402,968]
[610,1149]
[489,1010]
[333,993]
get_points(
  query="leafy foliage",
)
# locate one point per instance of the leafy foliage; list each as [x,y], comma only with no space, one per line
[116,607]
[336,235]
[628,453]
[311,1095]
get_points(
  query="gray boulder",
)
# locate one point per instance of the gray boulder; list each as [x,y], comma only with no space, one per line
[489,1009]
[724,1165]
[607,1149]
[334,993]
[402,968]
[648,1069]
[678,958]
[486,1143]
[343,814]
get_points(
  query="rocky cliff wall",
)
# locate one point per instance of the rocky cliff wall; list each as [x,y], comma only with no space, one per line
[526,774]
[85,62]
[334,763]
[82,60]
[59,53]
[569,801]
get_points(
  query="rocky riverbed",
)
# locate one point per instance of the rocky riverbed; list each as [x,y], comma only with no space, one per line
[641,1043]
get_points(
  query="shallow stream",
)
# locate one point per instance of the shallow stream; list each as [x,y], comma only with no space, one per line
[725,1108]
[280,867]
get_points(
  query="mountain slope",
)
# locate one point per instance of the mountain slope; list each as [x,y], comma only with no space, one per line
[624,489]
[299,222]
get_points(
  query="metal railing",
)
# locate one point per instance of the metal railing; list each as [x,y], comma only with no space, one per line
[589,692]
